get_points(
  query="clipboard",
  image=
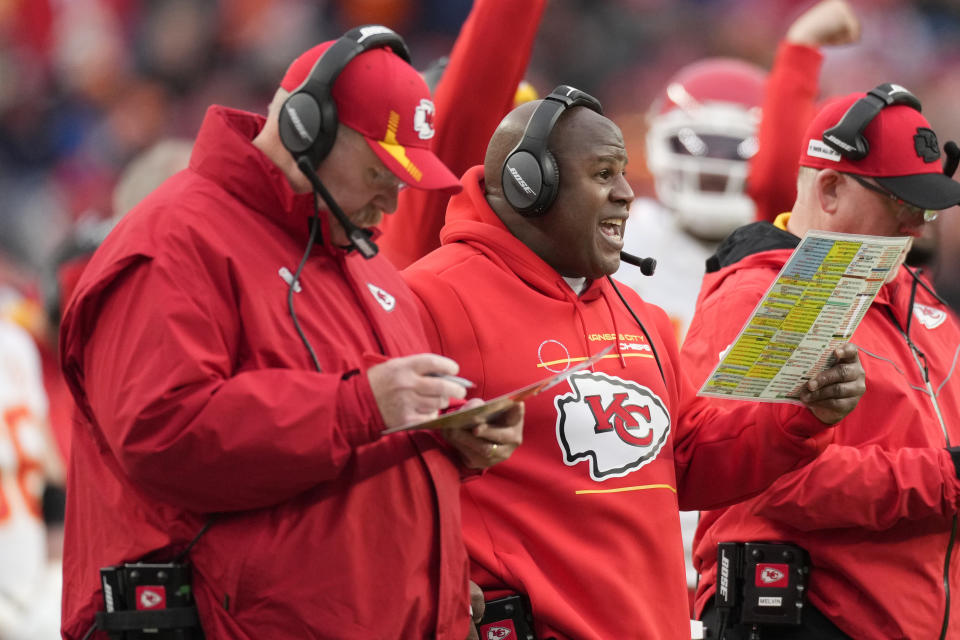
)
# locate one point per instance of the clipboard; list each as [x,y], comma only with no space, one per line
[464,418]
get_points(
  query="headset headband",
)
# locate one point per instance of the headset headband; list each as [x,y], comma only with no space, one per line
[541,123]
[846,136]
[319,81]
[308,117]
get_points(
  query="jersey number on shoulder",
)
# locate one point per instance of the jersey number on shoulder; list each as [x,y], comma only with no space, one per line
[28,470]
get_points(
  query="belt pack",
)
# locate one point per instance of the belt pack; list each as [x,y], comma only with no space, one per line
[507,618]
[761,582]
[148,601]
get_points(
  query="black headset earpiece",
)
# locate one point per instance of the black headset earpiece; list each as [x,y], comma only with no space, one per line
[530,175]
[846,136]
[308,117]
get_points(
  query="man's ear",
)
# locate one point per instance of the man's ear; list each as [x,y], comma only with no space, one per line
[828,184]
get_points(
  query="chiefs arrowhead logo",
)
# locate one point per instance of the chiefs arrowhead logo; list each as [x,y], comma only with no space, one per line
[929,317]
[150,597]
[384,299]
[770,574]
[499,630]
[423,119]
[617,425]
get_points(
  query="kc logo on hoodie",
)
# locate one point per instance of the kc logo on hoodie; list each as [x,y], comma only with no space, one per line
[619,426]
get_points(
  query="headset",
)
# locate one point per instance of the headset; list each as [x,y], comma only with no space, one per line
[308,129]
[846,137]
[308,118]
[530,176]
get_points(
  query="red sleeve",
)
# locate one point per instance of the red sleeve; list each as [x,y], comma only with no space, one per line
[864,487]
[788,106]
[476,91]
[728,450]
[712,438]
[743,444]
[830,491]
[158,380]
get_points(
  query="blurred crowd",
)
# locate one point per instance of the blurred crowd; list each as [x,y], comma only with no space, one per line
[86,85]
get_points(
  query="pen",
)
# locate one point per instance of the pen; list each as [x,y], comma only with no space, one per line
[463,382]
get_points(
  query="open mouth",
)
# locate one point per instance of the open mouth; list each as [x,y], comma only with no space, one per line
[612,229]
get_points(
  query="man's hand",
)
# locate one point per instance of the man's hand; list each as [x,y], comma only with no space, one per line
[829,22]
[407,389]
[476,609]
[490,442]
[836,391]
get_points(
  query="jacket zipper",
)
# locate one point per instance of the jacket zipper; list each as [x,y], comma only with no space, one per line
[924,371]
[953,525]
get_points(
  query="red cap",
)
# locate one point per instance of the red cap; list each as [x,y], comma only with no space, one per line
[383,98]
[903,155]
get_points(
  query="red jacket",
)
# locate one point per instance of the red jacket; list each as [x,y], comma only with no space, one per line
[196,396]
[877,509]
[584,516]
[476,91]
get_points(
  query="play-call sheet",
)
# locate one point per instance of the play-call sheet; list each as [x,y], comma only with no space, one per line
[813,306]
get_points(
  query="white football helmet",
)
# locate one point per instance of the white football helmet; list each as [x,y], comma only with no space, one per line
[702,131]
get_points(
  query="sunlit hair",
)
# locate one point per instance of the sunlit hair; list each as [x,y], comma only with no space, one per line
[805,176]
[279,98]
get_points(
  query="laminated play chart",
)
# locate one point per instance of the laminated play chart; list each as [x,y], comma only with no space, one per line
[814,305]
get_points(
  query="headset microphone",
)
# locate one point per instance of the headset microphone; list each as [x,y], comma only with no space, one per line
[952,151]
[647,265]
[308,120]
[359,238]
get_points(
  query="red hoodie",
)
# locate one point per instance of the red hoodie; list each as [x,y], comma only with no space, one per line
[583,518]
[877,510]
[196,396]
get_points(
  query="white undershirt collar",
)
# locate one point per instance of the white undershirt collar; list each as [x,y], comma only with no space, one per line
[577,284]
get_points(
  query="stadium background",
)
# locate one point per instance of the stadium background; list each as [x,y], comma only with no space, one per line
[87,84]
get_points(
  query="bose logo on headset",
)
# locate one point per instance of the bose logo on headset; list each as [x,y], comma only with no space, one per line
[837,142]
[522,183]
[529,176]
[297,123]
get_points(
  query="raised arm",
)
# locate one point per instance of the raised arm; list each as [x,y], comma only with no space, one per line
[476,91]
[789,102]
